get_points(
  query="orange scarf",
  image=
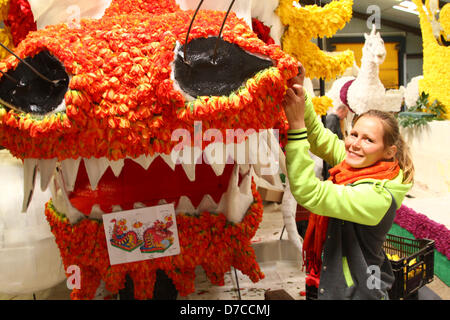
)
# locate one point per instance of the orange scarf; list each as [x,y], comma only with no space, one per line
[317,225]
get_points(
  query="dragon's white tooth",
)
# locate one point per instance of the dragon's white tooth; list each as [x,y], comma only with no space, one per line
[218,168]
[247,151]
[145,160]
[95,168]
[237,206]
[269,149]
[29,178]
[59,202]
[46,169]
[185,205]
[168,159]
[241,152]
[234,178]
[278,158]
[244,169]
[189,170]
[64,203]
[214,154]
[246,185]
[116,208]
[263,148]
[53,188]
[175,156]
[56,192]
[188,158]
[197,154]
[237,203]
[207,204]
[282,161]
[116,166]
[267,160]
[96,212]
[230,153]
[162,201]
[252,147]
[138,205]
[190,155]
[222,206]
[69,169]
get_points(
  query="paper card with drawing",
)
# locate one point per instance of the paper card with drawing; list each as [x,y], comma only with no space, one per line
[141,234]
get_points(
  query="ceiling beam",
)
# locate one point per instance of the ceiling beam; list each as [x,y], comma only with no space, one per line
[389,23]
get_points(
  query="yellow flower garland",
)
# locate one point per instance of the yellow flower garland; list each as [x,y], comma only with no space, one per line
[311,22]
[444,20]
[4,8]
[6,39]
[322,104]
[436,70]
[5,34]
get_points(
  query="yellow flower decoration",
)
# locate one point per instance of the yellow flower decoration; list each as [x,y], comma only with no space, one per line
[436,70]
[6,39]
[311,22]
[4,8]
[322,104]
[444,20]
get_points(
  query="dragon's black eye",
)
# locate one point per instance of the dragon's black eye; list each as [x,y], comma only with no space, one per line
[199,75]
[24,90]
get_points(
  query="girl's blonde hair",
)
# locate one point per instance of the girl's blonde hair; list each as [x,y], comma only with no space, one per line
[391,137]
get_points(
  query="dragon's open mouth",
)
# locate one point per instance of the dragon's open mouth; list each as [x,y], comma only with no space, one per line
[137,187]
[95,186]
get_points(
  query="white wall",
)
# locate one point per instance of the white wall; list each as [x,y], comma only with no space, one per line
[430,155]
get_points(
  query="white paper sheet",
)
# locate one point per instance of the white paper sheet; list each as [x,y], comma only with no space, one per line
[141,234]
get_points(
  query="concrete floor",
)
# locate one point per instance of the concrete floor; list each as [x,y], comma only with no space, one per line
[277,258]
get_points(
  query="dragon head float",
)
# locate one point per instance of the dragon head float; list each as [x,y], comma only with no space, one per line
[94,109]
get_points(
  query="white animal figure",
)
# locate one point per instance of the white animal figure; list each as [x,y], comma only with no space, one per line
[366,91]
[412,91]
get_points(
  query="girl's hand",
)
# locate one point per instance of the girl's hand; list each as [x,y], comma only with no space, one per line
[294,106]
[299,78]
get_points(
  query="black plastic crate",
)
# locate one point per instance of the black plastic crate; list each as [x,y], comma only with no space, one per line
[414,269]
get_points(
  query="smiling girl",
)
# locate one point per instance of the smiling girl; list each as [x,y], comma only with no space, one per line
[354,209]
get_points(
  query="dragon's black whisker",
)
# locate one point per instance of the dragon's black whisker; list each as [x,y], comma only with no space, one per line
[10,106]
[40,75]
[10,77]
[189,29]
[221,29]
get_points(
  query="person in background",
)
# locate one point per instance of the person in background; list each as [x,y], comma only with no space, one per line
[354,209]
[333,122]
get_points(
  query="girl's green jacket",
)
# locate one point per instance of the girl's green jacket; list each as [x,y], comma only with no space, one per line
[361,214]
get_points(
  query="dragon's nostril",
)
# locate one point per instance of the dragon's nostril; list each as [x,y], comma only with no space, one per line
[30,93]
[203,76]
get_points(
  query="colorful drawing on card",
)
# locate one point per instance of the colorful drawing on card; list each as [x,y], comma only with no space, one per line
[158,238]
[153,230]
[124,240]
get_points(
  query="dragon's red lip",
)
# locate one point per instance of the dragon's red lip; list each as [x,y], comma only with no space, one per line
[147,187]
